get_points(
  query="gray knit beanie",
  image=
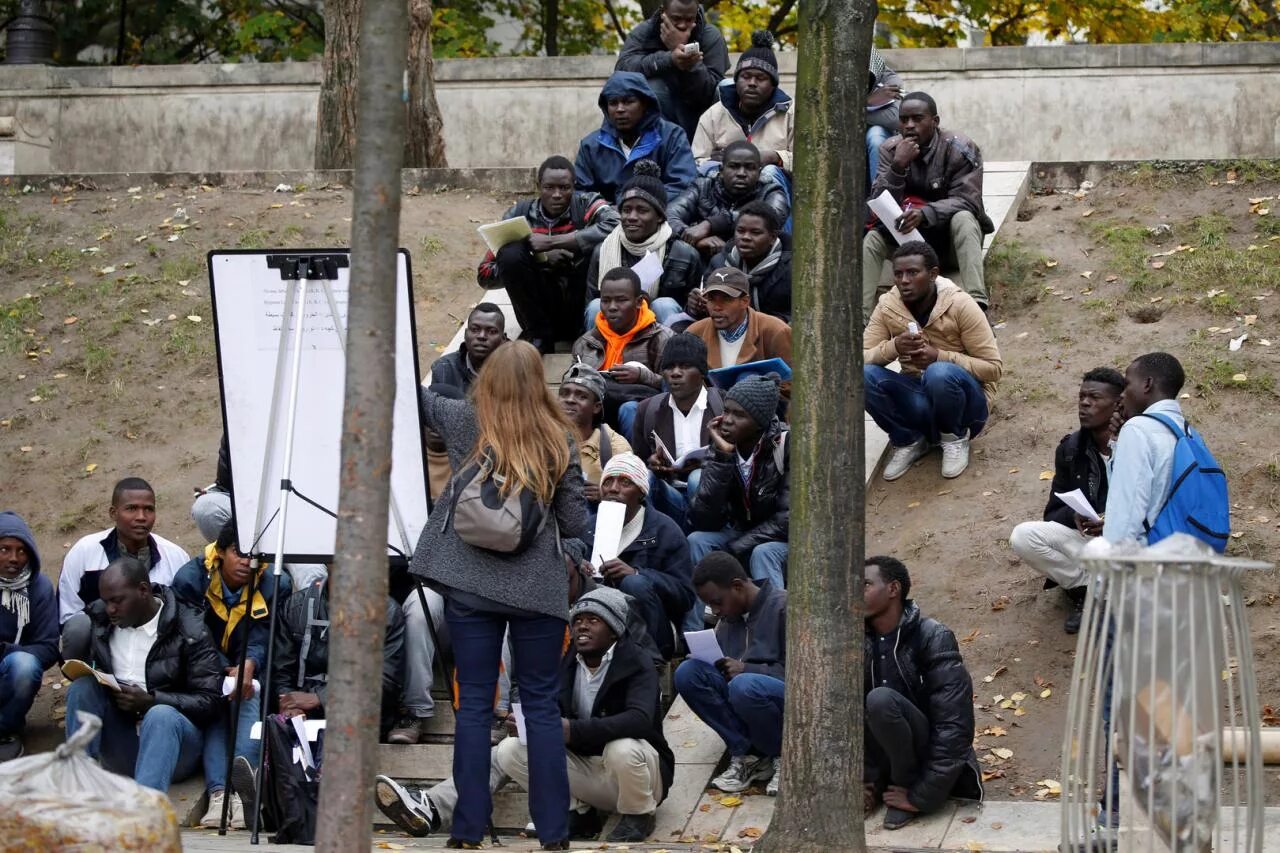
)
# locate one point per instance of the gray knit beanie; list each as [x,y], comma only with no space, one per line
[759,396]
[607,603]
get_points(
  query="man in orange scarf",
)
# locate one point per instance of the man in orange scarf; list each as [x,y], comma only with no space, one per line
[625,345]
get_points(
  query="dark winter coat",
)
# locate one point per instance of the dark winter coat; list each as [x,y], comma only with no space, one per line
[191,586]
[588,217]
[706,200]
[451,369]
[771,286]
[643,51]
[602,167]
[661,552]
[759,510]
[655,415]
[41,634]
[927,669]
[627,706]
[301,654]
[759,639]
[646,348]
[183,667]
[1071,471]
[947,175]
[681,271]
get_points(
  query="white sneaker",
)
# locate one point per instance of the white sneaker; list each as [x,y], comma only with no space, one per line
[742,771]
[776,779]
[902,458]
[213,816]
[955,454]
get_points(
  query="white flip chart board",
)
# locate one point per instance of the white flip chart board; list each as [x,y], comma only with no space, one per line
[255,358]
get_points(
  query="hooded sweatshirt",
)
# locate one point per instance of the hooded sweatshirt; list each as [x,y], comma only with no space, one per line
[644,52]
[603,167]
[723,123]
[39,634]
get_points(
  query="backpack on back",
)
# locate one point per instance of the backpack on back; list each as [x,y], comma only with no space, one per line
[483,518]
[1197,503]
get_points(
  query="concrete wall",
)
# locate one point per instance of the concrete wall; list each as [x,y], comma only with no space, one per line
[1108,102]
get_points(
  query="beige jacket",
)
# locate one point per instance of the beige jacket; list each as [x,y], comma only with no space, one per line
[717,128]
[957,327]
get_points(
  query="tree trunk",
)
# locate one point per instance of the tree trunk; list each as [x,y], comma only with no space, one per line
[424,136]
[551,27]
[358,584]
[336,116]
[820,804]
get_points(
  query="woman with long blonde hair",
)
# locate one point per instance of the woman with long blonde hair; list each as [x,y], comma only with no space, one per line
[513,424]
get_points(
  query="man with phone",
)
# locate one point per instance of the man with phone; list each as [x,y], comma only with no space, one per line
[1051,547]
[683,57]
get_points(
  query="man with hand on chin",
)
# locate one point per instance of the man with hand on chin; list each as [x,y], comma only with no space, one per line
[950,365]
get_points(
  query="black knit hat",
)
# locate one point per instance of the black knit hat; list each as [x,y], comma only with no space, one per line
[646,185]
[759,396]
[685,348]
[760,56]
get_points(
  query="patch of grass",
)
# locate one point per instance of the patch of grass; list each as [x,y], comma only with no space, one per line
[254,238]
[1268,226]
[46,391]
[181,342]
[62,258]
[1211,229]
[74,519]
[96,361]
[1105,308]
[182,268]
[433,246]
[1012,271]
[15,316]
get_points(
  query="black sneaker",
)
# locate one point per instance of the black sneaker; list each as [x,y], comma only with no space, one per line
[10,747]
[897,818]
[411,811]
[1076,616]
[633,829]
[585,826]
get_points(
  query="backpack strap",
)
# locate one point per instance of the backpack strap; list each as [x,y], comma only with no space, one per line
[1169,424]
[606,446]
[780,451]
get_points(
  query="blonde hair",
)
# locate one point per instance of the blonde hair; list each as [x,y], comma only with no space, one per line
[522,427]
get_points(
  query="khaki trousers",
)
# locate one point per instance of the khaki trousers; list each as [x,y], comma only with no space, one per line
[626,779]
[1052,549]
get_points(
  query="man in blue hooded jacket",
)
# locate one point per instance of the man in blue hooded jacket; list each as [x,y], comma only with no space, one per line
[633,130]
[28,629]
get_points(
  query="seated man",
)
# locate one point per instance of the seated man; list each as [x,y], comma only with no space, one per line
[734,332]
[633,130]
[950,365]
[167,668]
[936,178]
[763,252]
[625,344]
[751,107]
[682,56]
[1052,547]
[919,704]
[28,630]
[546,275]
[611,710]
[133,512]
[217,585]
[300,684]
[703,216]
[652,566]
[741,697]
[582,394]
[884,88]
[680,419]
[743,504]
[644,229]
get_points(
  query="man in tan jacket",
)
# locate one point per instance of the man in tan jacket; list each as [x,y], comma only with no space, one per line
[949,358]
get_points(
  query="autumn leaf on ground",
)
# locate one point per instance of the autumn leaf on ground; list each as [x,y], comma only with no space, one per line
[1042,682]
[1046,693]
[1046,475]
[988,775]
[705,807]
[974,846]
[998,671]
[730,802]
[972,635]
[970,818]
[1000,603]
[751,832]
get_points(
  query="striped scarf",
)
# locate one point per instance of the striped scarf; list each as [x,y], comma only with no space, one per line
[15,597]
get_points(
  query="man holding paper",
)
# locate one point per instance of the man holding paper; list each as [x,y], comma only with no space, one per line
[934,177]
[741,694]
[1076,496]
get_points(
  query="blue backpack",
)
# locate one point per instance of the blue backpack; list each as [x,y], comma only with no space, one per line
[1197,502]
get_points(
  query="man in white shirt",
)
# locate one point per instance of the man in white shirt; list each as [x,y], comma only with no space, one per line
[133,513]
[164,682]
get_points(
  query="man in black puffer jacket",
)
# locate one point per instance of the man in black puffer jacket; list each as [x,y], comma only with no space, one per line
[704,214]
[167,676]
[919,704]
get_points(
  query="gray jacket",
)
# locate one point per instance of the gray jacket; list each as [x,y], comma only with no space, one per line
[534,580]
[759,639]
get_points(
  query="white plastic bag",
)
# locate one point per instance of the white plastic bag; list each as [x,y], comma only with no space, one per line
[63,800]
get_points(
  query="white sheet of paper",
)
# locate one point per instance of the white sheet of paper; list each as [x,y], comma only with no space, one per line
[609,520]
[887,209]
[1078,502]
[229,684]
[312,728]
[703,645]
[518,713]
[498,234]
[649,268]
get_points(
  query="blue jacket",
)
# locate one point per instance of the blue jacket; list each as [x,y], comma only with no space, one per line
[602,167]
[40,634]
[191,587]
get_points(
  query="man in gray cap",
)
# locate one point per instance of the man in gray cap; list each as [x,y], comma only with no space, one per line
[743,503]
[619,760]
[581,397]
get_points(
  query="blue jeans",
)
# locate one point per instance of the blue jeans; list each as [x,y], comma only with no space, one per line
[779,177]
[945,399]
[215,742]
[20,674]
[164,749]
[876,137]
[672,500]
[627,418]
[664,308]
[767,562]
[745,712]
[661,600]
[536,645]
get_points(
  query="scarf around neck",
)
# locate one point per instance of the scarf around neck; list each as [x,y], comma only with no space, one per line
[611,252]
[614,343]
[16,598]
[767,263]
[631,530]
[232,615]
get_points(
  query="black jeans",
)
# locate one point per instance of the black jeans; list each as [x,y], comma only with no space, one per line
[548,301]
[897,739]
